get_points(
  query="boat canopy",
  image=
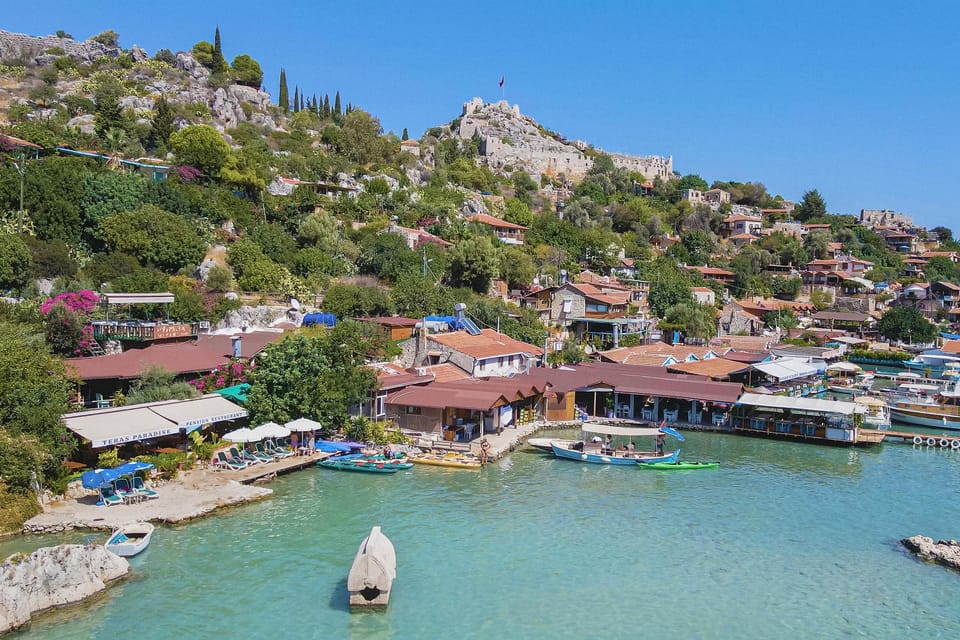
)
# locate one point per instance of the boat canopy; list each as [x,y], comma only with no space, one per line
[812,405]
[617,430]
[846,367]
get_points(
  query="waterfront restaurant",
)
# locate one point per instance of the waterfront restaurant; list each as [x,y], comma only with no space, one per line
[802,419]
[635,393]
[463,410]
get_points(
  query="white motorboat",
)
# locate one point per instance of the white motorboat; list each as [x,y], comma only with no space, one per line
[130,539]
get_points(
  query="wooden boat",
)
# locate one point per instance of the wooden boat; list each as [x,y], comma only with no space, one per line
[373,571]
[594,452]
[942,411]
[451,460]
[130,539]
[357,464]
[401,464]
[678,465]
[544,443]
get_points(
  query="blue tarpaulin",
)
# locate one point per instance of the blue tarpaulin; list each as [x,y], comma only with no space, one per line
[326,319]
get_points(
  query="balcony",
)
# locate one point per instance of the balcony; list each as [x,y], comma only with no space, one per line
[144,331]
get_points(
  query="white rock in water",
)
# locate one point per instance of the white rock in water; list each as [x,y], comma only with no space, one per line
[53,577]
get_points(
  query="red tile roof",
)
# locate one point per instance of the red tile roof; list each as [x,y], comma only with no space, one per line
[17,142]
[489,220]
[593,293]
[712,271]
[712,368]
[489,344]
[446,372]
[203,355]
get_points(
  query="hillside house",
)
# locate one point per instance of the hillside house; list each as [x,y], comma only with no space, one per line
[416,238]
[704,295]
[722,276]
[737,224]
[487,354]
[506,232]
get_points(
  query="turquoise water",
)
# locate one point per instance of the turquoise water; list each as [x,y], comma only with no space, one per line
[783,541]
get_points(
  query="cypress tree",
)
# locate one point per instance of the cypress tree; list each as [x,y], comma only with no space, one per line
[218,64]
[326,106]
[337,112]
[301,102]
[296,98]
[284,100]
[162,125]
[313,104]
[405,135]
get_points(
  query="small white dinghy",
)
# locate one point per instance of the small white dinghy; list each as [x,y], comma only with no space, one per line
[130,539]
[373,571]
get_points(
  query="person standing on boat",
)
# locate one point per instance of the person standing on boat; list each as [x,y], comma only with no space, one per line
[608,445]
[661,439]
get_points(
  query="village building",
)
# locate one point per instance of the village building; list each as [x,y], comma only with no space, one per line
[506,232]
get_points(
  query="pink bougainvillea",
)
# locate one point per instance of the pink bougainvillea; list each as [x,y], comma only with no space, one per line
[226,375]
[188,173]
[81,302]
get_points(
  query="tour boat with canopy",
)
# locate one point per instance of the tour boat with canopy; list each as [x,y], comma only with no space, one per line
[594,449]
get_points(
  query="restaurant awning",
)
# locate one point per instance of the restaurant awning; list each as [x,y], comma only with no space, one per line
[132,423]
[110,427]
[813,405]
[783,370]
[192,414]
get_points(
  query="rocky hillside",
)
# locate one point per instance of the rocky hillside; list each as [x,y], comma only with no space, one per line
[51,72]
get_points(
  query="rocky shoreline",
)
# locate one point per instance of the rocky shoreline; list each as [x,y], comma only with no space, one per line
[945,552]
[54,577]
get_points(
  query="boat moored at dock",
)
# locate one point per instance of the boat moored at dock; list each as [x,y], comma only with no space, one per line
[940,411]
[592,448]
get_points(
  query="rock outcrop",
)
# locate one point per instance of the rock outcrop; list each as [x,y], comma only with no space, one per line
[54,577]
[945,552]
[43,50]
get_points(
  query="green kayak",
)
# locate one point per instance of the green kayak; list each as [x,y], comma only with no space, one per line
[357,465]
[680,464]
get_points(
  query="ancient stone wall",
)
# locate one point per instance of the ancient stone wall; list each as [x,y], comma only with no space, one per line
[16,47]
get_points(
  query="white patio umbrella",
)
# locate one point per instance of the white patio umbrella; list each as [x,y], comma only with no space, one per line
[271,430]
[303,424]
[242,435]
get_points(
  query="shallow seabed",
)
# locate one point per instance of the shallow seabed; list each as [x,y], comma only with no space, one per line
[782,541]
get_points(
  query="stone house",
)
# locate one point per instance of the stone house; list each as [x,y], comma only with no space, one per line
[738,224]
[704,295]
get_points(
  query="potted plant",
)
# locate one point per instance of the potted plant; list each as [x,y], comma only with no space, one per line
[608,405]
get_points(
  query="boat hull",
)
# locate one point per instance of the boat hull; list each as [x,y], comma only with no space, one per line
[596,458]
[447,461]
[929,418]
[129,540]
[677,466]
[358,465]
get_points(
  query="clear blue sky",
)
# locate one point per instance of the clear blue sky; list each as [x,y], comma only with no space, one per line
[858,99]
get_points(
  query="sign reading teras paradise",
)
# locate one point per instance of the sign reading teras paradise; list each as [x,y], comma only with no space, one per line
[131,423]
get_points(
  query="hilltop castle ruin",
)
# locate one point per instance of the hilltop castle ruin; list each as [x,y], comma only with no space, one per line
[509,138]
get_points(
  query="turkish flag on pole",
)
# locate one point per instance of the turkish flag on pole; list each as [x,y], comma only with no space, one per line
[501,81]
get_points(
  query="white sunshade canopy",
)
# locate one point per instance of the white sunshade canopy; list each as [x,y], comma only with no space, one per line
[242,435]
[271,430]
[616,430]
[786,369]
[136,422]
[137,298]
[799,404]
[303,424]
[847,367]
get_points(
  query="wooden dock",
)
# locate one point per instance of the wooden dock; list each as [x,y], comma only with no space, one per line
[268,470]
[910,437]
